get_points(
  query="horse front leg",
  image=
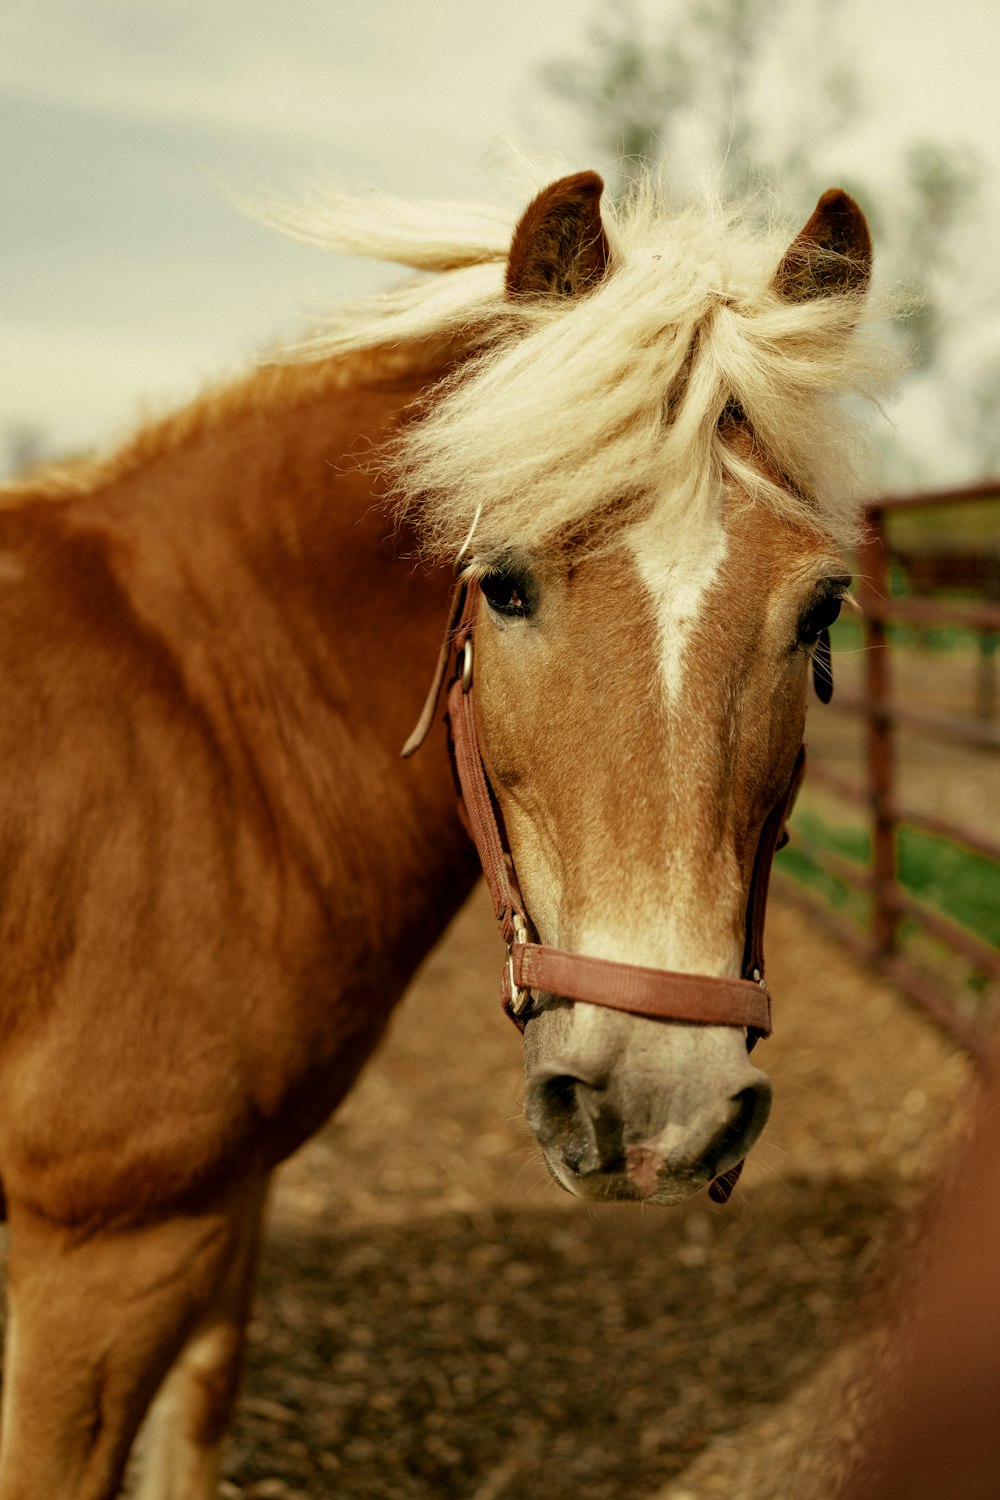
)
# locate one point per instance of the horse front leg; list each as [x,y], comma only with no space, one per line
[180,1447]
[95,1322]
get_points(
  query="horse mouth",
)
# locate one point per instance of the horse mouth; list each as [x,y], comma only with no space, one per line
[625,1181]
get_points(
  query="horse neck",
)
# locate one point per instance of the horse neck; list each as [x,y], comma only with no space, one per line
[250,539]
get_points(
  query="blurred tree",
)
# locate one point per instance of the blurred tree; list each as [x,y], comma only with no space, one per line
[756,94]
[975,413]
[941,189]
[690,80]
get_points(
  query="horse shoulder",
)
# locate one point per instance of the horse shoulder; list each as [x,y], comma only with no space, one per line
[148,940]
[216,876]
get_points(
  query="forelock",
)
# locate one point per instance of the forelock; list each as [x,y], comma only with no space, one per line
[577,417]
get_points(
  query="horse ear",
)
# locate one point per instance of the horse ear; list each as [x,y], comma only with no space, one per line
[559,247]
[831,255]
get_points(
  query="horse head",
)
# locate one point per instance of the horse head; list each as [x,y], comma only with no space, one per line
[638,722]
[654,555]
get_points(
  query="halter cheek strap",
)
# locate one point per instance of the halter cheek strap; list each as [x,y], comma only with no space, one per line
[700,999]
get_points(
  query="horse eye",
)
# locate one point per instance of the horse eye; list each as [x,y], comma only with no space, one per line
[818,617]
[732,413]
[506,593]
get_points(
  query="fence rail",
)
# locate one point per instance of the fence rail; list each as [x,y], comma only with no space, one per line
[882,717]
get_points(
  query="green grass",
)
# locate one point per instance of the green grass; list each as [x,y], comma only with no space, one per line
[963,885]
[953,880]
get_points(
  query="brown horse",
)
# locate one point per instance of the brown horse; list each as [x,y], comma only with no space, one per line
[218,874]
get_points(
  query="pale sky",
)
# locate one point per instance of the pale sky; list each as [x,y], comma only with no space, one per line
[128,277]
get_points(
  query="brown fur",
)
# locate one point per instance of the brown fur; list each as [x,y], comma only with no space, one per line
[216,875]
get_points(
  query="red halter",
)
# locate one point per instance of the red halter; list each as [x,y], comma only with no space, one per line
[703,999]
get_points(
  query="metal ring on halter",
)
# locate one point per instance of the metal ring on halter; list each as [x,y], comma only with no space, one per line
[467,664]
[519,996]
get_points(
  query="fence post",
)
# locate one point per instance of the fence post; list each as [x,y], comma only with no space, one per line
[873,589]
[989,640]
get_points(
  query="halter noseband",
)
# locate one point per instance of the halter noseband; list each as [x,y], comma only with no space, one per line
[701,999]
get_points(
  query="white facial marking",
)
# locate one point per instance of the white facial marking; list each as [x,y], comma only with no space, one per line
[648,930]
[677,558]
[660,933]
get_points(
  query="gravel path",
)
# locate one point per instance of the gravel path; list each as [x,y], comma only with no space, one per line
[437,1318]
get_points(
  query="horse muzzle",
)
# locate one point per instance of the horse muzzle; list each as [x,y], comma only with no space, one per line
[658,1133]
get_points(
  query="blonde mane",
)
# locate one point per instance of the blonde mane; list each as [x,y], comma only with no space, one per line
[574,418]
[568,417]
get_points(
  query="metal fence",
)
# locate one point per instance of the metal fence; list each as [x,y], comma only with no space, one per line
[975,572]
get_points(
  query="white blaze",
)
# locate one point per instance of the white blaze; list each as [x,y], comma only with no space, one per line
[678,558]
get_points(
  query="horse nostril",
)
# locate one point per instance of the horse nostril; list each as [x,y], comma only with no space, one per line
[552,1104]
[559,1102]
[750,1109]
[567,1112]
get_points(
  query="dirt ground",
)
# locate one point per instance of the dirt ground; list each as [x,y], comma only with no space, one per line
[437,1318]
